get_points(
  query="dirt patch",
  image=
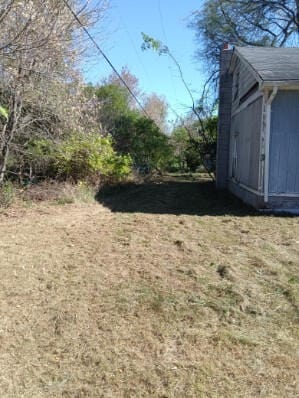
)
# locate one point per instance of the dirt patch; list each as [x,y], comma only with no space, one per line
[101,303]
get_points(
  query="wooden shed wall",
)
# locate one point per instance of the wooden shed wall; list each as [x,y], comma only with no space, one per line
[243,81]
[246,134]
[284,143]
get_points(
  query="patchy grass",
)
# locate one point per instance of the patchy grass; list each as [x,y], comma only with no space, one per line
[53,192]
[166,289]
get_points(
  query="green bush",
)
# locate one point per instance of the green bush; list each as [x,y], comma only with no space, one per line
[7,194]
[40,155]
[78,157]
[82,156]
[142,139]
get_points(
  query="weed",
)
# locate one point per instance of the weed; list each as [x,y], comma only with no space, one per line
[294,279]
[240,339]
[84,193]
[64,201]
[292,295]
[7,194]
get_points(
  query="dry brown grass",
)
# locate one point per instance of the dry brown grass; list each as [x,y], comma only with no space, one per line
[178,293]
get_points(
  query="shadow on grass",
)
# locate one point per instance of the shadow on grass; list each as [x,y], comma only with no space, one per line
[173,195]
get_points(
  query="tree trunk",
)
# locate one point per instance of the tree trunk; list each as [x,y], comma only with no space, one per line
[4,159]
[9,132]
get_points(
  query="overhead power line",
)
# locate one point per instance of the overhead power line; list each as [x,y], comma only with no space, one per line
[134,48]
[166,42]
[76,17]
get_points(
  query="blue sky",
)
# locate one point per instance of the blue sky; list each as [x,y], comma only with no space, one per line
[165,20]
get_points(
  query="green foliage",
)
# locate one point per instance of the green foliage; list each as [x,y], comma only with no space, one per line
[38,156]
[208,146]
[132,133]
[87,155]
[40,148]
[179,141]
[113,98]
[193,159]
[142,138]
[3,112]
[7,194]
[113,102]
[132,139]
[246,22]
[78,156]
[149,43]
[192,150]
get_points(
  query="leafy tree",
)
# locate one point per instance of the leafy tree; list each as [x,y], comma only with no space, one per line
[190,149]
[113,102]
[156,108]
[208,146]
[245,22]
[133,133]
[131,81]
[197,131]
[142,139]
[179,141]
[111,99]
[39,85]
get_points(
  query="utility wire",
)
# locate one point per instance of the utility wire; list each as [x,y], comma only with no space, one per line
[76,17]
[134,48]
[166,42]
[162,21]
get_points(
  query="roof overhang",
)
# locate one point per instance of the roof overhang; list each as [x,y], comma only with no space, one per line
[237,55]
[287,84]
[283,84]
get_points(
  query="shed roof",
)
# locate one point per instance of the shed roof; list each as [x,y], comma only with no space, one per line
[272,64]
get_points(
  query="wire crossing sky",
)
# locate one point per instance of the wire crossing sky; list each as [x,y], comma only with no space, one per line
[165,20]
[93,41]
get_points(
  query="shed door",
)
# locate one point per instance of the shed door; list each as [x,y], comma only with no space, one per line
[284,143]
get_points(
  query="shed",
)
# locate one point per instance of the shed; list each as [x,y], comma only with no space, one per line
[258,130]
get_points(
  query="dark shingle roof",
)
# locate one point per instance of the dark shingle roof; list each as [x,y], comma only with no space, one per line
[272,64]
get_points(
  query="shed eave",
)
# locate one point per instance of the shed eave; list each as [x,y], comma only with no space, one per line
[294,84]
[237,54]
[232,62]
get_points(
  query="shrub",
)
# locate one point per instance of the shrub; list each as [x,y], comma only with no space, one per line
[40,157]
[87,155]
[142,138]
[81,192]
[7,194]
[78,157]
[62,192]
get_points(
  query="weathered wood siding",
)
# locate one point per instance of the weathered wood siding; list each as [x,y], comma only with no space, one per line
[243,81]
[245,140]
[225,97]
[284,143]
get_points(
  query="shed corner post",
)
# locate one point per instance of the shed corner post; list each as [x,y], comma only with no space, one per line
[267,142]
[224,120]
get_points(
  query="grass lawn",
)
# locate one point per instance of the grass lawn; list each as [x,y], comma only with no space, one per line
[166,289]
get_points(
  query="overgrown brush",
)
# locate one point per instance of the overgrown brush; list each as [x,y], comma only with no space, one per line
[61,193]
[7,194]
[76,157]
[83,156]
